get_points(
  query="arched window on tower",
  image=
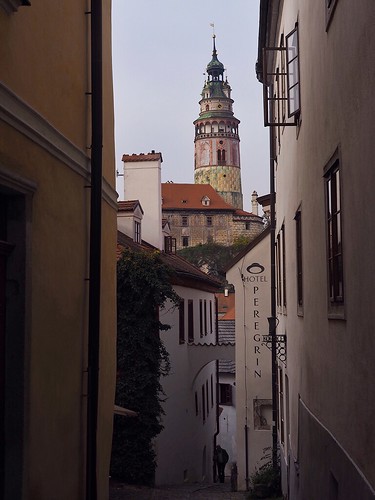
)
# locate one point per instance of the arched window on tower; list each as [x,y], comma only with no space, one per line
[219,155]
[207,107]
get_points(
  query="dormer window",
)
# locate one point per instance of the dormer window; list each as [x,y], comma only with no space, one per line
[206,201]
[137,232]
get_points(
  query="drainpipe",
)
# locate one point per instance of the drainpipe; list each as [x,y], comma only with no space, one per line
[272,321]
[95,248]
[217,389]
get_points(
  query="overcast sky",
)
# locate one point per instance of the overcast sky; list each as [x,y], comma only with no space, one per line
[160,52]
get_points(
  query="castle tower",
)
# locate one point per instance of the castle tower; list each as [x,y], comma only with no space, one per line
[217,143]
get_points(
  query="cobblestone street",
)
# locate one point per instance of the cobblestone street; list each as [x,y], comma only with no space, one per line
[120,491]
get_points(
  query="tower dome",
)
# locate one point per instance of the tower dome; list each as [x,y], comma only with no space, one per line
[217,143]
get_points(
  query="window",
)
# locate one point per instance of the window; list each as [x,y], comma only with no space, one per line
[283,264]
[247,226]
[262,414]
[181,321]
[281,406]
[184,221]
[185,241]
[196,403]
[201,317]
[298,220]
[225,394]
[209,220]
[280,76]
[207,398]
[211,329]
[292,64]
[205,316]
[212,392]
[169,244]
[190,321]
[203,405]
[221,156]
[334,232]
[137,232]
[206,200]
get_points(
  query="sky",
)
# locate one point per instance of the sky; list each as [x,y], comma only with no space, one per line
[160,52]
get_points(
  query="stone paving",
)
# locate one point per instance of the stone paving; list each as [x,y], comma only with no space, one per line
[120,491]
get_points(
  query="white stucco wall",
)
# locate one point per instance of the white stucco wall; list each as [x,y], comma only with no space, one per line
[185,446]
[142,181]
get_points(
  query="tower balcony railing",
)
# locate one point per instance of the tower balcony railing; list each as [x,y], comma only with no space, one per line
[200,135]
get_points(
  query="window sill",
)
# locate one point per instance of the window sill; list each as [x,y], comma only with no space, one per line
[336,311]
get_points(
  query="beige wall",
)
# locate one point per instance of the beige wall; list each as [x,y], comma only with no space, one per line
[44,131]
[253,358]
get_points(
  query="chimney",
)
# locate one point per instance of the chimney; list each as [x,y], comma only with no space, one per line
[254,203]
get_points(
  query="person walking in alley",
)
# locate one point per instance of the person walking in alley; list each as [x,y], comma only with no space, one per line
[220,458]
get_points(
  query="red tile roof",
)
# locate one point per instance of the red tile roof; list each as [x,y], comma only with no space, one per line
[128,206]
[142,157]
[189,197]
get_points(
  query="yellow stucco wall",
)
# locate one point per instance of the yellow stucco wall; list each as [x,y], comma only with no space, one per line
[44,63]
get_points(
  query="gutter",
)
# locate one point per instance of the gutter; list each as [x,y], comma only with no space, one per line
[95,248]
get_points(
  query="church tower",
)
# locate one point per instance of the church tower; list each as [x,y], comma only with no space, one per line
[217,143]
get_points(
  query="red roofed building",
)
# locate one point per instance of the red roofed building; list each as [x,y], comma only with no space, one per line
[198,214]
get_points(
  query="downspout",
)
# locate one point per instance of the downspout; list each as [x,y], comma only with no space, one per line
[272,319]
[265,27]
[95,248]
[217,390]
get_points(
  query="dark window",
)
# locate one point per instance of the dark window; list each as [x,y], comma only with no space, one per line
[185,241]
[225,394]
[209,220]
[207,398]
[205,316]
[201,317]
[169,244]
[247,225]
[211,329]
[283,265]
[298,220]
[212,391]
[281,405]
[203,405]
[181,321]
[278,271]
[196,403]
[137,232]
[185,220]
[190,321]
[292,64]
[334,234]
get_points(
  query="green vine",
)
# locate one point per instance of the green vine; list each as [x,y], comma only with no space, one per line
[143,286]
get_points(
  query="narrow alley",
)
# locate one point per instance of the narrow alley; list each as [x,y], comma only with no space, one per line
[120,491]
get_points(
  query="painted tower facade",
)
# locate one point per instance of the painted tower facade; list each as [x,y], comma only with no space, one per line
[217,142]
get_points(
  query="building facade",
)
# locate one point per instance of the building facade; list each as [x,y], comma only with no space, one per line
[45,174]
[198,215]
[316,64]
[250,274]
